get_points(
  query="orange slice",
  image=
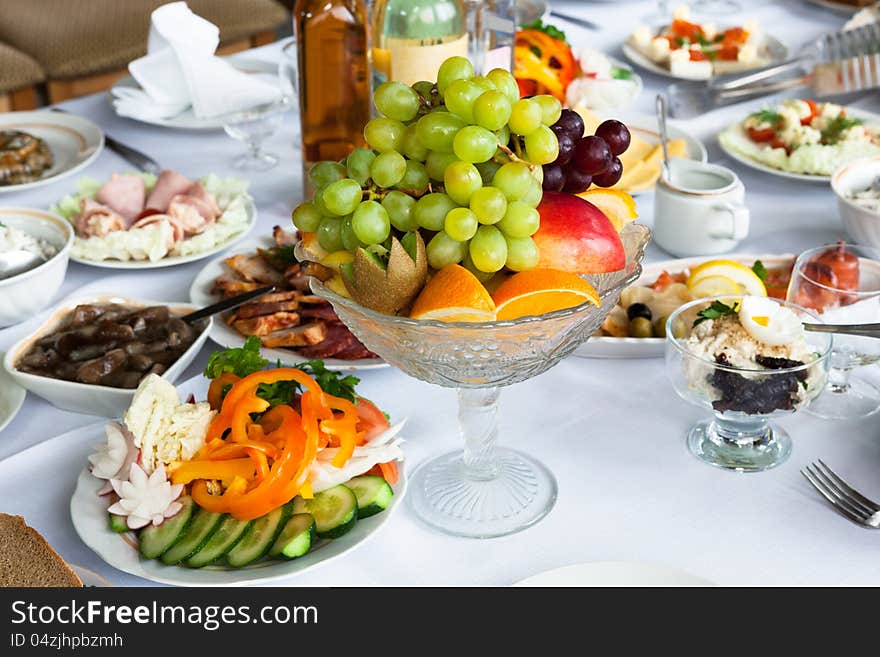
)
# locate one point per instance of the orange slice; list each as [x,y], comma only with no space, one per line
[540,291]
[454,295]
[619,207]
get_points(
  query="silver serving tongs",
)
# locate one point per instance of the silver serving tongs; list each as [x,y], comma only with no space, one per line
[836,63]
[863,330]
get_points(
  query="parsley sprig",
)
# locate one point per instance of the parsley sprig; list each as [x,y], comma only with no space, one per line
[767,116]
[715,311]
[760,270]
[836,127]
[549,30]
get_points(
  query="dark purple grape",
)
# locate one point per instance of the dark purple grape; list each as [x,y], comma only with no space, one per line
[554,178]
[615,134]
[591,155]
[571,122]
[611,175]
[566,149]
[576,181]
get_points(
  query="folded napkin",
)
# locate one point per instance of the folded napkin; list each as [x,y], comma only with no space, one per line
[181,71]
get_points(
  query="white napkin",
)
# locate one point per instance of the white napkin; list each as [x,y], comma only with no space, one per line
[180,70]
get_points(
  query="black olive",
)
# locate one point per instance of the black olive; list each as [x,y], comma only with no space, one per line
[638,310]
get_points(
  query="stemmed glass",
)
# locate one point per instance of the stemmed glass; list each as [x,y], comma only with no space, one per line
[841,282]
[484,490]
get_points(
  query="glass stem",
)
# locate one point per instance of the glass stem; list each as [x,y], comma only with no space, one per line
[742,433]
[476,34]
[253,149]
[478,420]
[838,379]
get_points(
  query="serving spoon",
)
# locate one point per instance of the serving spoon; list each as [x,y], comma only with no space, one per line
[227,304]
[13,263]
[863,330]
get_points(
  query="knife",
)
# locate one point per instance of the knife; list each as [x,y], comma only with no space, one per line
[590,25]
[131,155]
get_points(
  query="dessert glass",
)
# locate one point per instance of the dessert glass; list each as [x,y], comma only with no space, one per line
[847,397]
[484,490]
[740,435]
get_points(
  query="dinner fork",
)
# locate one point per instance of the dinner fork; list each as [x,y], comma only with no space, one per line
[845,499]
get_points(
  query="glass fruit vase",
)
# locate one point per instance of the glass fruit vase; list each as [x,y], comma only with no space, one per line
[485,490]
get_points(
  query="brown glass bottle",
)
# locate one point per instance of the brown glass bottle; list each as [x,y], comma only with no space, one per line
[334,86]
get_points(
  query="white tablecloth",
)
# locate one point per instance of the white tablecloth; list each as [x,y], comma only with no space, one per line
[611,431]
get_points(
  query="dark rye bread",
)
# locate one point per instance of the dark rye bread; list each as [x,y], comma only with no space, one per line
[26,559]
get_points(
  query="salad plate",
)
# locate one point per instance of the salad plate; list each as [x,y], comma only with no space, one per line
[186,120]
[201,294]
[735,142]
[604,346]
[236,217]
[613,573]
[73,141]
[11,397]
[89,514]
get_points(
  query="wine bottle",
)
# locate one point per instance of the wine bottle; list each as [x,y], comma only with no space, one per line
[411,38]
[334,84]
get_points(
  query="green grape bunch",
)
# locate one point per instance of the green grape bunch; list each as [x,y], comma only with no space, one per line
[459,160]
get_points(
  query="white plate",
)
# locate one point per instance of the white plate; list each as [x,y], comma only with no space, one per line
[774,50]
[228,337]
[171,261]
[608,347]
[614,573]
[88,512]
[74,141]
[736,127]
[90,578]
[11,397]
[839,7]
[186,120]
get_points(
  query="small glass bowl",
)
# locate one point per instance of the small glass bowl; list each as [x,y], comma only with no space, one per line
[740,436]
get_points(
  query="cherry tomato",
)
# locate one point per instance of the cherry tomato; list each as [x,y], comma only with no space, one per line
[372,421]
[762,135]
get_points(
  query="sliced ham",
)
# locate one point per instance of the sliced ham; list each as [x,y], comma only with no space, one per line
[198,191]
[177,232]
[194,214]
[124,194]
[168,185]
[97,220]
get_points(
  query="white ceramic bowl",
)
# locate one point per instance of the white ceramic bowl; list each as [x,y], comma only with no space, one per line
[862,224]
[23,296]
[82,397]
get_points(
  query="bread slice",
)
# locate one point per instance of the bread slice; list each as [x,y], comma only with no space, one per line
[26,559]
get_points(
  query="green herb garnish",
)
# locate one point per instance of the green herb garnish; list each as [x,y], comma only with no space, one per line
[836,127]
[621,73]
[715,311]
[240,361]
[767,116]
[549,30]
[760,270]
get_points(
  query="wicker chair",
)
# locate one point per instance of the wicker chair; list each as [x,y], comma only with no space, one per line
[84,46]
[18,76]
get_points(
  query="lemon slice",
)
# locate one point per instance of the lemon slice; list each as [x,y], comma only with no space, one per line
[746,280]
[715,286]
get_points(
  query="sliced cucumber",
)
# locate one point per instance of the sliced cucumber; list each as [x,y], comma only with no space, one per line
[373,494]
[200,529]
[118,524]
[335,510]
[296,538]
[156,539]
[258,539]
[222,541]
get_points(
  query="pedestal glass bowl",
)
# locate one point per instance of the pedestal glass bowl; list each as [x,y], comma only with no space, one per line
[740,435]
[485,490]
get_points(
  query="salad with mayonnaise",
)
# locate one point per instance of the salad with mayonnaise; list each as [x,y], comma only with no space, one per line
[274,460]
[803,136]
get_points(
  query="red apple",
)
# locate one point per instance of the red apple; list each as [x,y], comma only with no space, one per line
[576,236]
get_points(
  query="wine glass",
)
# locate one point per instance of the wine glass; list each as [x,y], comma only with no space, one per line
[740,435]
[484,490]
[716,7]
[841,282]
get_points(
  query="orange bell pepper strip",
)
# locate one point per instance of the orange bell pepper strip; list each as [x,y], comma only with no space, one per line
[389,472]
[183,472]
[215,390]
[261,463]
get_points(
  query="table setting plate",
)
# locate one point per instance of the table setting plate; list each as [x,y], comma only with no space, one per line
[736,126]
[88,512]
[611,347]
[75,142]
[776,50]
[838,7]
[186,120]
[11,397]
[227,337]
[613,573]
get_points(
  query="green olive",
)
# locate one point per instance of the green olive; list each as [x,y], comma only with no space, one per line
[660,327]
[679,328]
[640,327]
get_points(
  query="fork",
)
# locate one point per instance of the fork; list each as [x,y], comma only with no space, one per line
[845,499]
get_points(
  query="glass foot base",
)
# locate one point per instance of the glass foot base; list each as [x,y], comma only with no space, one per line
[706,444]
[520,495]
[858,399]
[721,7]
[261,162]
